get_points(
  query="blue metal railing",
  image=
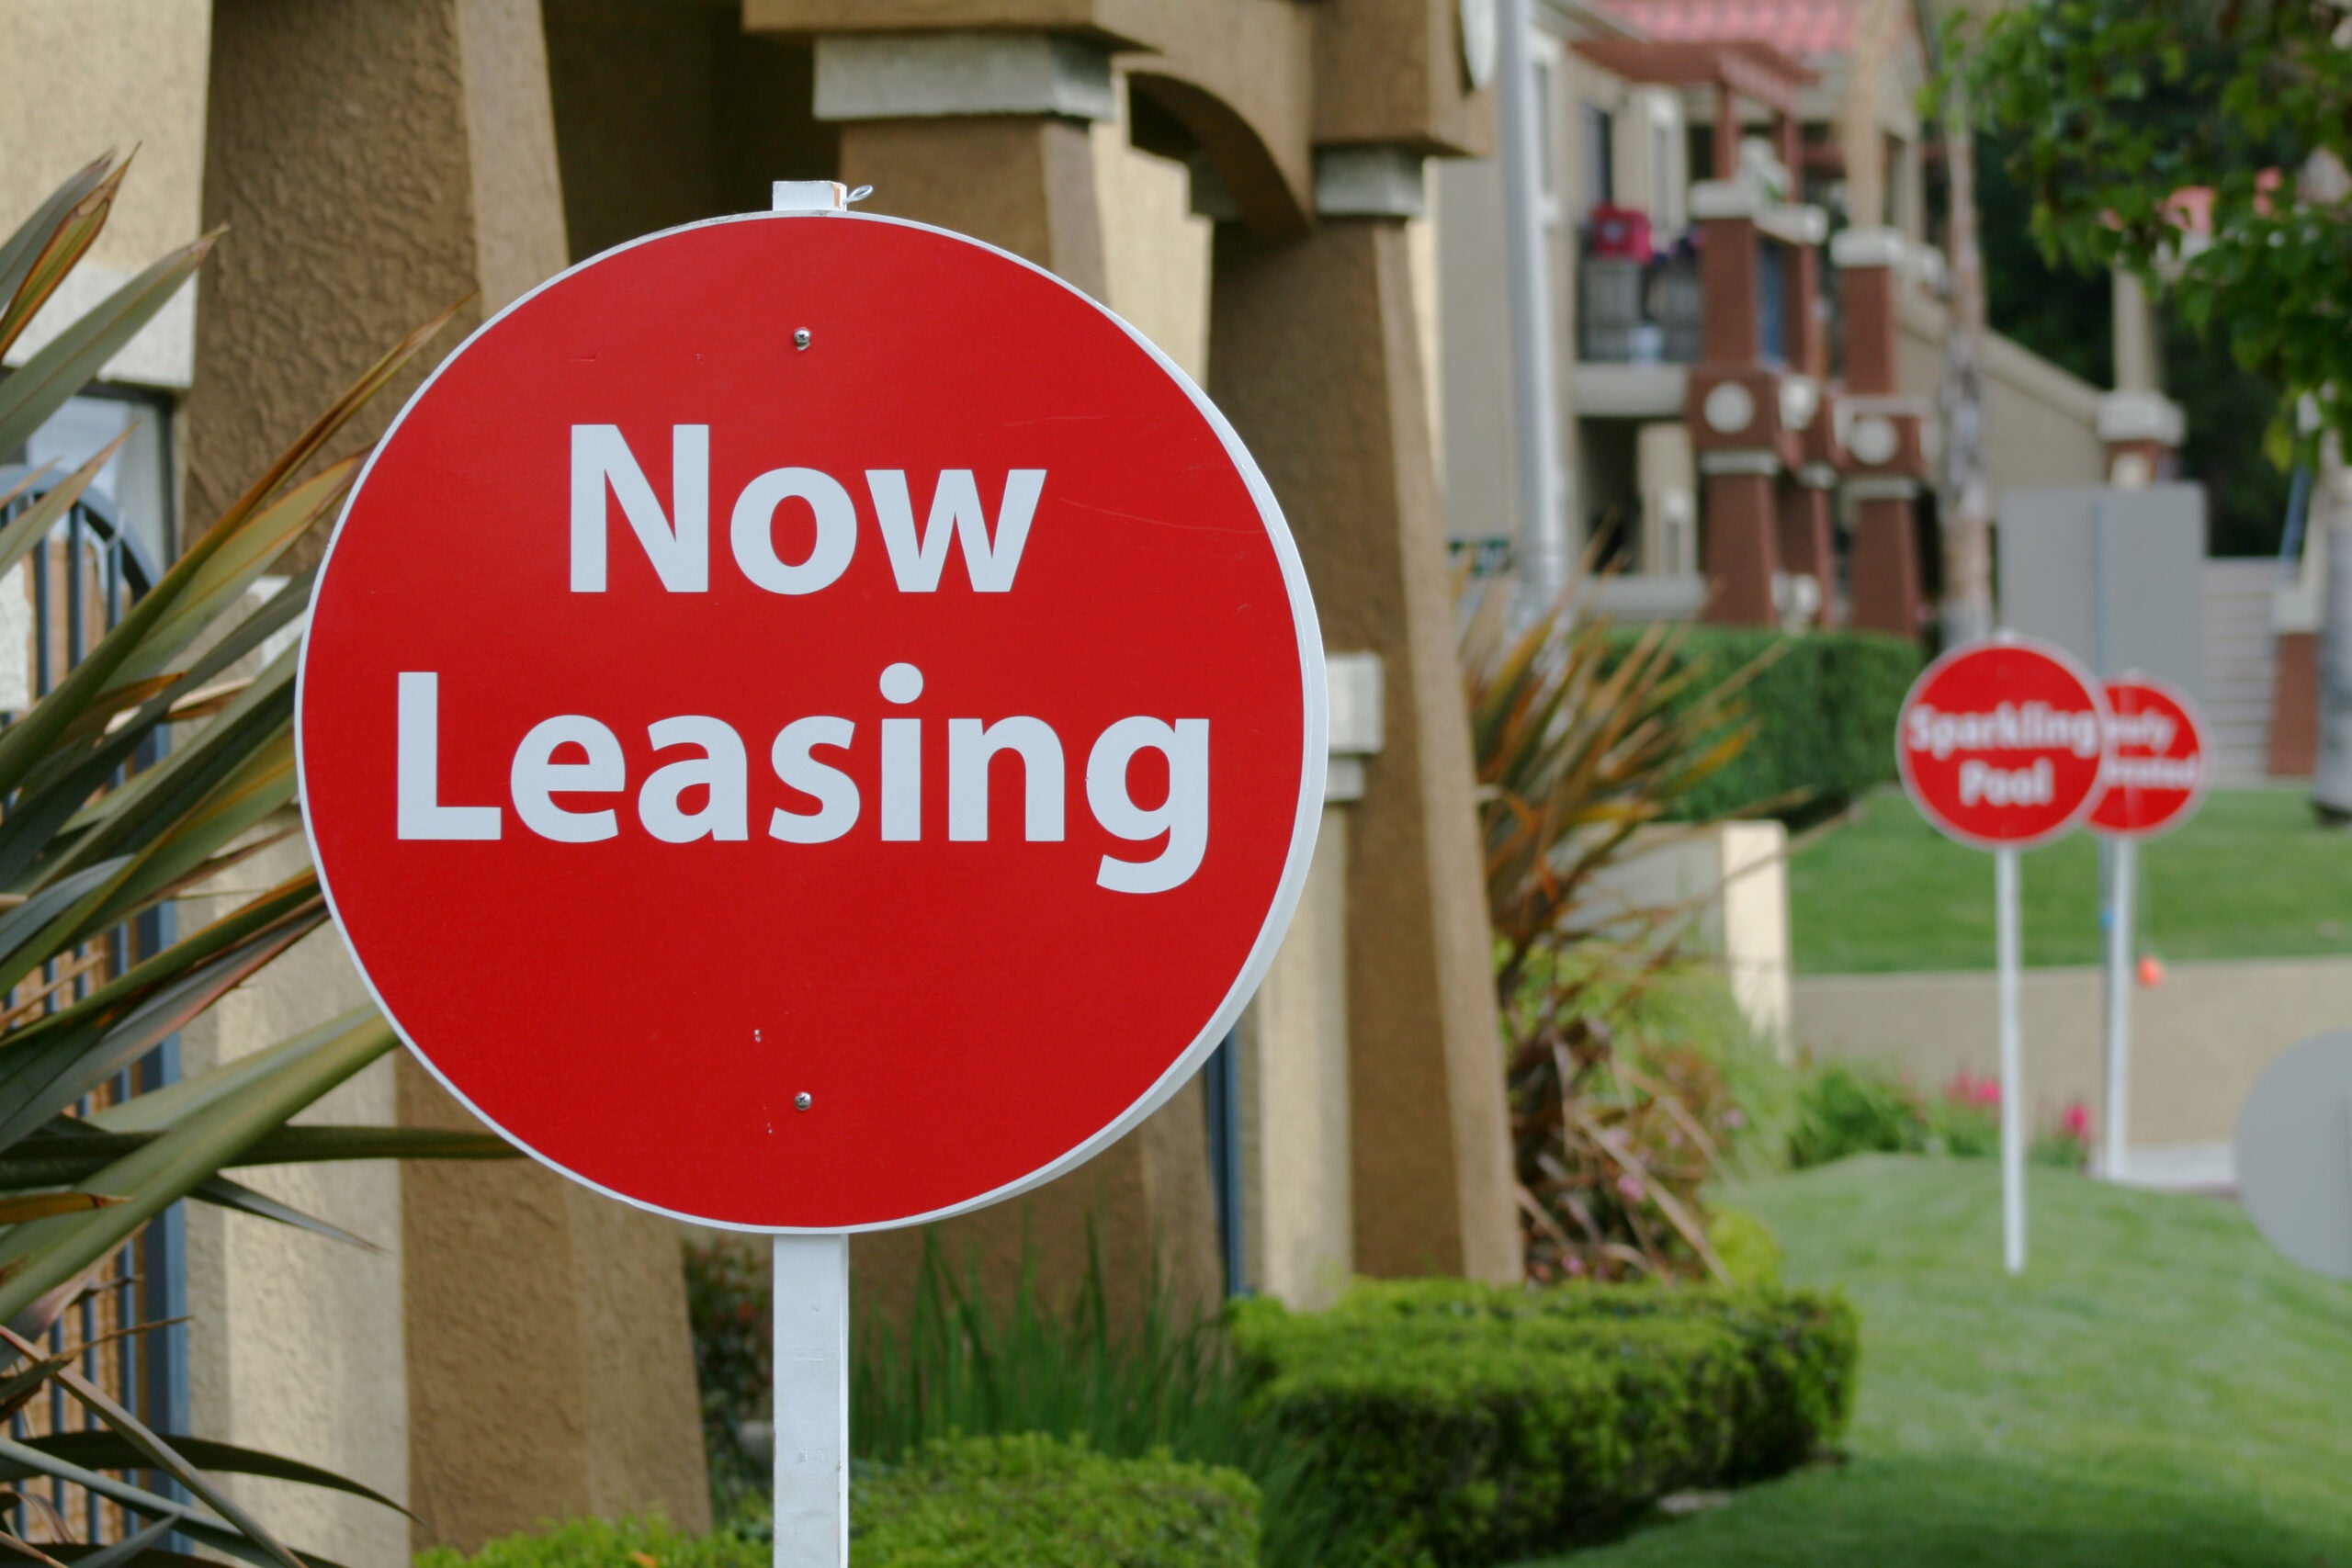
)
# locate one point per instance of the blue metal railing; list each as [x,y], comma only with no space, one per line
[80,580]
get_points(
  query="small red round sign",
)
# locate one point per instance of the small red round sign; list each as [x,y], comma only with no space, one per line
[810,723]
[2000,743]
[2156,766]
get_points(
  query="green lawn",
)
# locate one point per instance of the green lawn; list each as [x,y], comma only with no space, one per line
[2160,1387]
[2251,876]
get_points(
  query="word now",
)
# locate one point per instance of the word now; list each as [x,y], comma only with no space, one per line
[678,543]
[1981,784]
[720,770]
[2011,726]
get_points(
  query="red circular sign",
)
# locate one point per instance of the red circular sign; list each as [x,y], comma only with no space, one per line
[808,722]
[2000,743]
[2156,765]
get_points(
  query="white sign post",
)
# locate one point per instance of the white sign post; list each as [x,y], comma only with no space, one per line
[811,1417]
[2000,747]
[2009,949]
[2123,862]
[2153,779]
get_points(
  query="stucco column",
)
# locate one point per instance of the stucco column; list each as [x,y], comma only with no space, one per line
[1733,411]
[1314,356]
[1885,462]
[984,133]
[987,134]
[1807,537]
[2139,431]
[1884,566]
[378,160]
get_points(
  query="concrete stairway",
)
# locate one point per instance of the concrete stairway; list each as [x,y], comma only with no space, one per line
[2238,659]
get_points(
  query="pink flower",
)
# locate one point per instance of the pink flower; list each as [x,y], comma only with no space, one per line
[1629,1189]
[1576,1265]
[1967,1088]
[2078,1122]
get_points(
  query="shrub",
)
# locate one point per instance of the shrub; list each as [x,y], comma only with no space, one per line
[1749,1251]
[1461,1423]
[1030,1500]
[960,1363]
[1851,1107]
[1856,1107]
[963,1503]
[1825,718]
[1967,1121]
[607,1543]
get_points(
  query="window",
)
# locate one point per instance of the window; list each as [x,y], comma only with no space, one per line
[137,480]
[1598,129]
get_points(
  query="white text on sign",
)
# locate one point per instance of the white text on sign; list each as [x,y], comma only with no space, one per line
[2011,726]
[576,755]
[678,543]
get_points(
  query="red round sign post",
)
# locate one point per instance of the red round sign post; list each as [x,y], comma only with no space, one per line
[2155,775]
[2001,745]
[2155,780]
[809,723]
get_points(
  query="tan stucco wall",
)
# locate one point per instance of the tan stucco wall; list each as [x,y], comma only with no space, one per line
[2198,1041]
[1315,357]
[1727,886]
[549,1356]
[79,76]
[1155,252]
[297,1345]
[1298,1211]
[380,159]
[441,185]
[2041,423]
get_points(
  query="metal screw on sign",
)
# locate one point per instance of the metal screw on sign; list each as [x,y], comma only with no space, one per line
[742,717]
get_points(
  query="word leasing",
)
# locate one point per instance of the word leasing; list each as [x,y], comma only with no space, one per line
[580,758]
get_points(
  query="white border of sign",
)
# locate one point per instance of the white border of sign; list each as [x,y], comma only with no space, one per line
[2188,808]
[1316,703]
[1903,753]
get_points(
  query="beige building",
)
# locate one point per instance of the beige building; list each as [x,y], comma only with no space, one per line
[1688,165]
[1245,180]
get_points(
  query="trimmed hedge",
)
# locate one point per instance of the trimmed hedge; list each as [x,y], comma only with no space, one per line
[1034,1501]
[1826,707]
[1469,1424]
[1029,1501]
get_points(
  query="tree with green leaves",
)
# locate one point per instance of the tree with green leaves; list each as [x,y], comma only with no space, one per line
[101,822]
[2119,106]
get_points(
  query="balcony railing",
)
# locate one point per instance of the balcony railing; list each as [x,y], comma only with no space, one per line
[1638,313]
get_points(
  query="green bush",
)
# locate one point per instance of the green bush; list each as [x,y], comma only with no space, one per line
[1031,1502]
[1826,712]
[956,1359]
[1858,1107]
[1461,1424]
[1750,1253]
[607,1543]
[1848,1108]
[1016,1501]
